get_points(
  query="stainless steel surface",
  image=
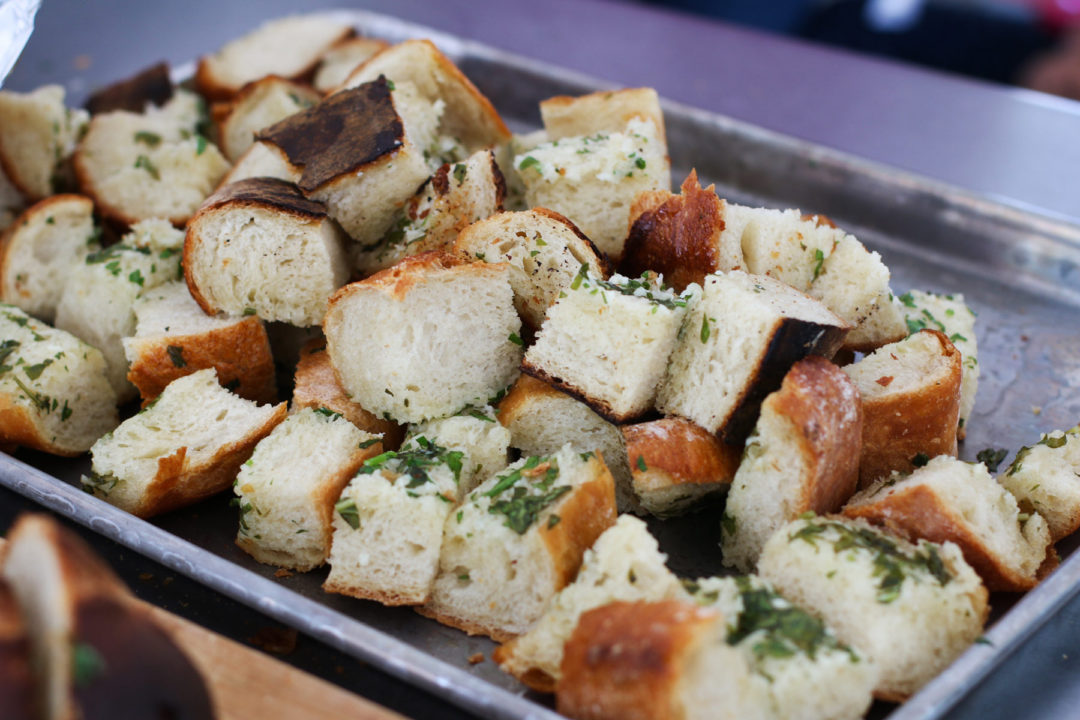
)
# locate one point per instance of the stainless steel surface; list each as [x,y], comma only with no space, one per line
[1020,271]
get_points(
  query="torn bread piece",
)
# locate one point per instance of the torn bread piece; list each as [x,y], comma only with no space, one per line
[625,564]
[258,105]
[344,57]
[40,249]
[950,315]
[608,341]
[17,685]
[475,432]
[185,447]
[1045,478]
[542,419]
[287,489]
[426,337]
[173,337]
[545,249]
[885,324]
[677,466]
[566,116]
[260,246]
[96,653]
[518,539]
[955,501]
[666,659]
[910,608]
[388,523]
[454,198]
[735,346]
[262,159]
[910,394]
[151,86]
[289,47]
[361,153]
[803,456]
[11,202]
[37,135]
[54,393]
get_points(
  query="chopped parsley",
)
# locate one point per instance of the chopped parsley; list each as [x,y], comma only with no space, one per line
[529,162]
[516,339]
[137,277]
[459,173]
[328,413]
[1050,441]
[142,161]
[86,664]
[920,459]
[522,493]
[416,462]
[705,332]
[176,354]
[349,512]
[641,464]
[819,260]
[34,371]
[991,457]
[150,139]
[200,144]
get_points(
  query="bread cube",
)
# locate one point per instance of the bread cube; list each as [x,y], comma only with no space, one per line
[454,198]
[518,539]
[885,324]
[426,337]
[287,489]
[608,341]
[262,159]
[803,456]
[475,432]
[910,608]
[542,419]
[173,337]
[344,57]
[150,86]
[259,245]
[1045,479]
[677,466]
[545,249]
[54,394]
[361,153]
[183,448]
[40,249]
[950,500]
[949,314]
[735,346]
[37,135]
[624,564]
[602,111]
[388,524]
[910,394]
[289,47]
[259,104]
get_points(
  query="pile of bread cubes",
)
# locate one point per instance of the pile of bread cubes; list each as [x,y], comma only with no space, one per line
[503,350]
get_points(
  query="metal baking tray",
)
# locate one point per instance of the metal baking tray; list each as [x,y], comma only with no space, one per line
[1020,271]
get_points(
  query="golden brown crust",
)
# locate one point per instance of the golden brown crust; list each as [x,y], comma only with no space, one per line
[16,683]
[396,281]
[897,427]
[17,427]
[626,660]
[674,451]
[240,353]
[601,111]
[583,517]
[520,397]
[465,625]
[385,597]
[38,212]
[316,385]
[678,237]
[178,484]
[152,85]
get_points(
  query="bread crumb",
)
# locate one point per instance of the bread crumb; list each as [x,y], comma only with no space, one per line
[476,658]
[283,573]
[277,641]
[884,380]
[1036,410]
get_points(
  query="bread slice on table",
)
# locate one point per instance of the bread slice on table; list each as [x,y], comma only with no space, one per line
[910,394]
[1045,479]
[677,466]
[476,433]
[950,315]
[625,564]
[735,346]
[54,393]
[37,135]
[361,153]
[542,419]
[910,608]
[608,341]
[260,246]
[885,324]
[344,57]
[468,122]
[96,654]
[426,337]
[289,47]
[808,672]
[287,489]
[137,167]
[40,249]
[959,502]
[262,159]
[518,539]
[803,456]
[173,337]
[454,198]
[683,237]
[16,681]
[545,249]
[150,86]
[257,105]
[666,659]
[185,447]
[97,304]
[388,523]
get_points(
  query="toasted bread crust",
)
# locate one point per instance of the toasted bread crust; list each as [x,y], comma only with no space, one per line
[396,281]
[520,396]
[584,517]
[602,111]
[17,426]
[467,626]
[598,406]
[678,236]
[626,660]
[674,452]
[151,85]
[264,192]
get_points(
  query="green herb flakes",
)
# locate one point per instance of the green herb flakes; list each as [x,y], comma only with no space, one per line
[150,139]
[991,457]
[86,664]
[176,354]
[142,161]
[349,512]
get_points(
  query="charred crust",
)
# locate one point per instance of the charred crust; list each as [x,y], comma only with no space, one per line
[265,192]
[500,183]
[440,181]
[151,85]
[342,134]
